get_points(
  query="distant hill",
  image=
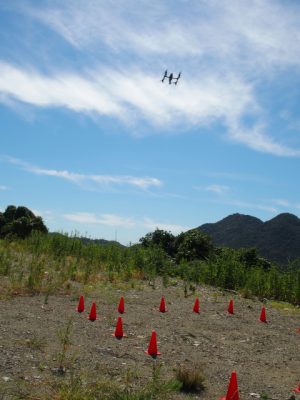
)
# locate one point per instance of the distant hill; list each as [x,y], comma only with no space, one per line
[278,239]
[88,241]
[102,242]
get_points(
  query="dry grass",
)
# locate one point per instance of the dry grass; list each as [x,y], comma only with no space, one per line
[191,379]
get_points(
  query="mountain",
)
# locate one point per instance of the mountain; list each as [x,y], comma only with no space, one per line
[278,239]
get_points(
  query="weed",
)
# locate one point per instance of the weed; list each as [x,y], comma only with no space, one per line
[65,340]
[264,396]
[191,379]
[77,387]
[35,343]
[246,293]
[165,280]
[287,307]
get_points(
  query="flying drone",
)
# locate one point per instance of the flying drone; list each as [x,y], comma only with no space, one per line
[171,77]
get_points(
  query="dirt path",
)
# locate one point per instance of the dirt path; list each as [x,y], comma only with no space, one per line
[266,357]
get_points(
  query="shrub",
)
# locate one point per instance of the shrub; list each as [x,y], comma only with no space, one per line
[191,379]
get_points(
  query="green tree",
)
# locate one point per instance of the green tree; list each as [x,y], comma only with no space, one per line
[9,213]
[163,239]
[20,222]
[193,245]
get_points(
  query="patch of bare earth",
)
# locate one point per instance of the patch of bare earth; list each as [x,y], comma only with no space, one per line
[266,357]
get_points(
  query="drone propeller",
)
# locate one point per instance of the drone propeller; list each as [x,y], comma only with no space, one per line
[165,75]
[178,77]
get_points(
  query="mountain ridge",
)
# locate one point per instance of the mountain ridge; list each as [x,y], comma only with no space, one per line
[277,239]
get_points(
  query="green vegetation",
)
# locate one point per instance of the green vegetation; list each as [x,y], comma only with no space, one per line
[76,388]
[65,340]
[47,263]
[19,222]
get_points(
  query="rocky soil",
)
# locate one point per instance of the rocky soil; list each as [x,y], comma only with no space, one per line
[266,356]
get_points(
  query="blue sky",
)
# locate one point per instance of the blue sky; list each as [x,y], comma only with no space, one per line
[94,142]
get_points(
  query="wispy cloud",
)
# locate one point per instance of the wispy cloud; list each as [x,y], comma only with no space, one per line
[269,205]
[262,33]
[251,206]
[3,187]
[120,221]
[103,219]
[122,93]
[174,228]
[236,176]
[282,202]
[228,50]
[218,189]
[80,179]
[134,95]
[286,204]
[257,139]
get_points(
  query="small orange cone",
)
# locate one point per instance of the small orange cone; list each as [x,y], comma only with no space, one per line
[121,307]
[162,307]
[152,348]
[93,315]
[119,329]
[80,307]
[297,389]
[262,317]
[232,391]
[230,307]
[196,308]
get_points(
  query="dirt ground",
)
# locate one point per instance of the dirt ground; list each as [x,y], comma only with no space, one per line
[266,357]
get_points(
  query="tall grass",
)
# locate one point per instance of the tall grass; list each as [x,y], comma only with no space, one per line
[48,263]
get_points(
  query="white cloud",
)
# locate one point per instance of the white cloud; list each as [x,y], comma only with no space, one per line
[256,139]
[255,206]
[227,51]
[65,90]
[80,179]
[3,187]
[218,189]
[47,215]
[282,202]
[263,33]
[120,221]
[103,219]
[174,228]
[135,95]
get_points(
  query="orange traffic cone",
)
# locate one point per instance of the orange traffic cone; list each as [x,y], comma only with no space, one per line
[196,308]
[230,307]
[80,307]
[297,389]
[162,307]
[92,315]
[119,329]
[152,348]
[262,317]
[232,391]
[121,308]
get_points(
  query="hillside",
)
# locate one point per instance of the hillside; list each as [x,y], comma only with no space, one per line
[278,239]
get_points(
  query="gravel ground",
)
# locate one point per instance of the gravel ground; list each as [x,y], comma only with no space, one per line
[266,356]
